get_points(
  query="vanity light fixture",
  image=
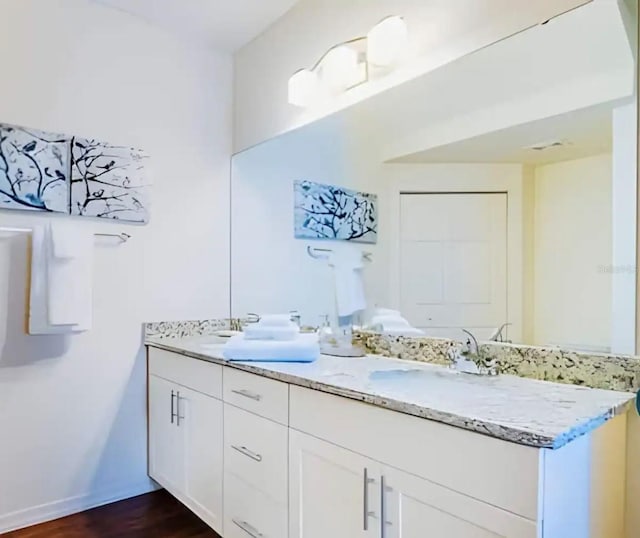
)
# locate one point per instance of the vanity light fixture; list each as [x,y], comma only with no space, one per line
[346,64]
[387,42]
[339,68]
[304,87]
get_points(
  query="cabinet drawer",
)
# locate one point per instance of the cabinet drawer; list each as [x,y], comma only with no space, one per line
[250,513]
[198,375]
[255,449]
[260,395]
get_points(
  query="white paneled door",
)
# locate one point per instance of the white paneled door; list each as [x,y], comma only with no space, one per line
[453,262]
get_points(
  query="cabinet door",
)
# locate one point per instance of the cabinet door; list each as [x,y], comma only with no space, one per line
[166,441]
[333,491]
[413,507]
[201,426]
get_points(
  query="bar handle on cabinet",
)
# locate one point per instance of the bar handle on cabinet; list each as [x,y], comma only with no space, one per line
[246,452]
[173,414]
[383,508]
[249,529]
[248,394]
[179,417]
[366,512]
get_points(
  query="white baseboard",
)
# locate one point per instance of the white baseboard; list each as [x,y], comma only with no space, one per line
[71,505]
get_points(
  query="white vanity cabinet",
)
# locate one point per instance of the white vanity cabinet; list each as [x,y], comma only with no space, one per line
[418,479]
[301,463]
[185,432]
[368,499]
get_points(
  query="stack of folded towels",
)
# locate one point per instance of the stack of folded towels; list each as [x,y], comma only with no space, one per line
[391,322]
[275,338]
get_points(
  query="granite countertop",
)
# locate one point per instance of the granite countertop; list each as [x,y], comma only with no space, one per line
[524,411]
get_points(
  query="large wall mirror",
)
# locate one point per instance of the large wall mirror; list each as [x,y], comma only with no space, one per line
[506,193]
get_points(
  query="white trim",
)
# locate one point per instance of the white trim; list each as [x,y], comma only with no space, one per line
[624,211]
[481,177]
[71,505]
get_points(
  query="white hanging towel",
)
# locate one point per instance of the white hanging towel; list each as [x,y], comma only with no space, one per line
[61,279]
[347,270]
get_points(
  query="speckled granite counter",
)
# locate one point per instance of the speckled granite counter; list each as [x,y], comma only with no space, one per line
[524,411]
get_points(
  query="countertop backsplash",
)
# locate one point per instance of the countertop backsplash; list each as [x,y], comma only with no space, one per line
[596,370]
[602,371]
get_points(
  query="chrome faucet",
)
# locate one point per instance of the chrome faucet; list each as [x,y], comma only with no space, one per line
[469,359]
[497,335]
[471,350]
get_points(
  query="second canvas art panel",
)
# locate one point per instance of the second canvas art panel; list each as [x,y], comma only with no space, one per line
[108,181]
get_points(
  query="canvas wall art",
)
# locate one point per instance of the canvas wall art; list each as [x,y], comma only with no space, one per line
[333,212]
[33,170]
[108,181]
[41,171]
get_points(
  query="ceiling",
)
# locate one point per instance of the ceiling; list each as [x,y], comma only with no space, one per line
[226,25]
[582,133]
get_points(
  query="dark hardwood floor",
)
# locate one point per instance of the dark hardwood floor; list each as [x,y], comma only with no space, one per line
[154,515]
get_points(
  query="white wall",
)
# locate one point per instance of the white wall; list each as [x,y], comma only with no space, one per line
[441,31]
[624,213]
[573,253]
[73,410]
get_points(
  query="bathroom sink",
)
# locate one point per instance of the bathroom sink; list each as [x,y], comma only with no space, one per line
[402,375]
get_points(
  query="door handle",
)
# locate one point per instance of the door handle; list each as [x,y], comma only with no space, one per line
[248,394]
[173,414]
[366,512]
[178,415]
[249,529]
[383,508]
[246,452]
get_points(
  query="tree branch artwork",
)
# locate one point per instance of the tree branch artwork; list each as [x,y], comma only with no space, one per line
[108,181]
[34,170]
[332,212]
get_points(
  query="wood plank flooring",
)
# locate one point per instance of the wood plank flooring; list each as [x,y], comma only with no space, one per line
[154,515]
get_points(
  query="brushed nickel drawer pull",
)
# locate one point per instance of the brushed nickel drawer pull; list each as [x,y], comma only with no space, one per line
[249,529]
[383,508]
[173,414]
[367,513]
[178,415]
[248,394]
[246,452]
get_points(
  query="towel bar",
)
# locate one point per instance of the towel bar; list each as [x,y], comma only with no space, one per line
[124,237]
[313,252]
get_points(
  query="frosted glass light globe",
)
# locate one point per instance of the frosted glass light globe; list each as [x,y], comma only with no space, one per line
[303,88]
[387,42]
[339,68]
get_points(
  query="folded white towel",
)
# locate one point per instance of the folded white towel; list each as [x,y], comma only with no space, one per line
[257,331]
[69,276]
[66,240]
[275,320]
[402,331]
[394,325]
[390,320]
[386,312]
[349,285]
[305,348]
[39,297]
